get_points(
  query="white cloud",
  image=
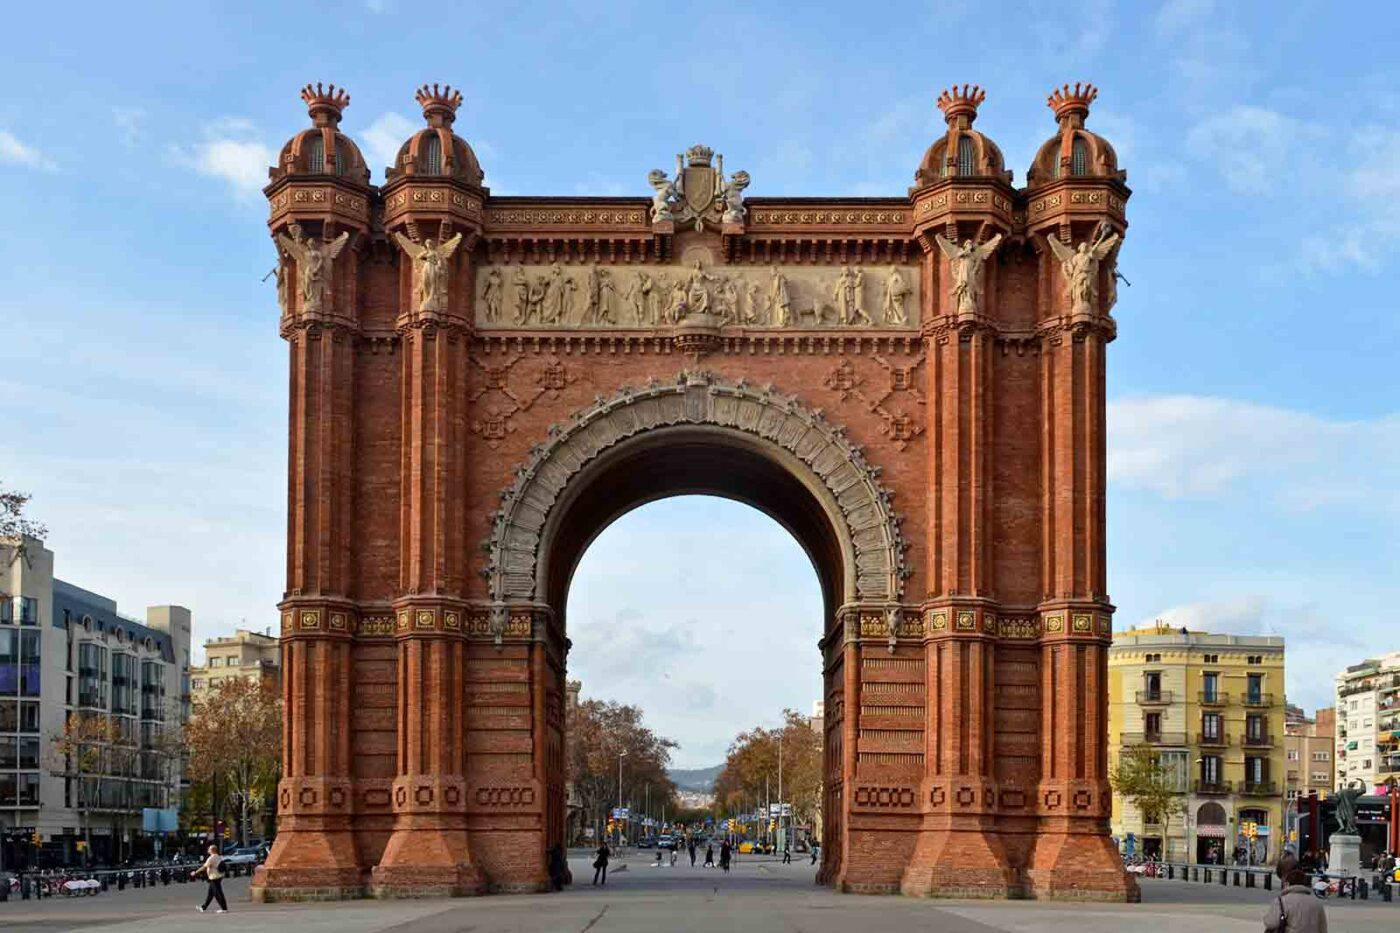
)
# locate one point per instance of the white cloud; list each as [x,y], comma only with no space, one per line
[231,150]
[129,121]
[382,139]
[12,150]
[1251,145]
[1185,446]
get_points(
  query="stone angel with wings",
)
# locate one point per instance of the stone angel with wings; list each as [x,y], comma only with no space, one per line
[314,260]
[1080,267]
[431,273]
[966,262]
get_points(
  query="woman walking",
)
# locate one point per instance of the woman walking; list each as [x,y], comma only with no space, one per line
[724,854]
[600,865]
[212,870]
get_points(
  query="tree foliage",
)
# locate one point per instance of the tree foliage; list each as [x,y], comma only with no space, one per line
[235,745]
[91,750]
[14,527]
[1141,778]
[753,760]
[599,731]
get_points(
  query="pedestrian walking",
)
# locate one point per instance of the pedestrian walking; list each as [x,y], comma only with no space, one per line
[558,867]
[212,870]
[787,854]
[600,865]
[691,848]
[709,855]
[816,848]
[1296,909]
[724,855]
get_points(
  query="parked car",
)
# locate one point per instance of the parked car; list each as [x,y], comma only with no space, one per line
[666,842]
[250,855]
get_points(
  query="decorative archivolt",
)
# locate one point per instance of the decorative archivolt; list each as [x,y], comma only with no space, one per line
[870,531]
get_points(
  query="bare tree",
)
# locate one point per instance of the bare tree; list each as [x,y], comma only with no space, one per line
[15,529]
[91,751]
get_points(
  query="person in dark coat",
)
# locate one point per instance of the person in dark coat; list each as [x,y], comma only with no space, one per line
[709,855]
[724,854]
[600,865]
[558,867]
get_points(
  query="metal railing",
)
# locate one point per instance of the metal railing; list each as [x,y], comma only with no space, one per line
[1256,741]
[1212,787]
[1214,699]
[1219,740]
[1258,699]
[1154,738]
[1258,788]
[1154,697]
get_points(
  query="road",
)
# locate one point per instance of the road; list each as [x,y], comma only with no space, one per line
[760,894]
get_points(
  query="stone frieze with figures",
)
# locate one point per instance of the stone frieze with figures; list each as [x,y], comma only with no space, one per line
[593,297]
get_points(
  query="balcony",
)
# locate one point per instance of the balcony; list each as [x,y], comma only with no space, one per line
[1259,788]
[1219,740]
[1258,699]
[1213,699]
[1153,738]
[1211,788]
[1257,741]
[1154,697]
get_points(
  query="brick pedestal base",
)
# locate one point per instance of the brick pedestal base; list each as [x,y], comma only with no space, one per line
[1080,866]
[309,865]
[959,863]
[425,858]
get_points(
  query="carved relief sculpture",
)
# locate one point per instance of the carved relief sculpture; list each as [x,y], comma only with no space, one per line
[967,264]
[1080,267]
[491,295]
[892,308]
[665,196]
[779,301]
[700,193]
[432,276]
[314,262]
[733,198]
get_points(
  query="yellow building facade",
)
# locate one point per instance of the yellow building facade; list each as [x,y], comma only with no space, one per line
[1212,708]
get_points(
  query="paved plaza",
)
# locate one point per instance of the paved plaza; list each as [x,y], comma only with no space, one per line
[758,895]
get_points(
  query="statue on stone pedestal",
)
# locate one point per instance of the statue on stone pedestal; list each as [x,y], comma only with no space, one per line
[491,294]
[666,195]
[1346,810]
[315,260]
[967,262]
[896,289]
[284,285]
[1080,267]
[733,197]
[432,276]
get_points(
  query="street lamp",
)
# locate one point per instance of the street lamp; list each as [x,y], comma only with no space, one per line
[620,755]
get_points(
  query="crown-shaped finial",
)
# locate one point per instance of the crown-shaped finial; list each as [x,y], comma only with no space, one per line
[1072,102]
[699,155]
[325,102]
[439,103]
[961,102]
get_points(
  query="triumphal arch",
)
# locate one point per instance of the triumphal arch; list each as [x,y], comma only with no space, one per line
[913,385]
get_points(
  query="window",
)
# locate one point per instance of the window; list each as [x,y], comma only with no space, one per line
[1254,659]
[967,155]
[216,662]
[29,664]
[7,612]
[29,752]
[1255,770]
[1254,688]
[1322,756]
[1366,765]
[27,609]
[1152,725]
[1366,723]
[1211,659]
[1254,727]
[1153,659]
[1210,686]
[9,662]
[28,717]
[1152,684]
[1293,754]
[1320,777]
[1210,769]
[28,790]
[1211,727]
[9,751]
[1079,157]
[430,159]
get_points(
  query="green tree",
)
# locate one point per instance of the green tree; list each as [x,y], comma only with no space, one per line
[1142,779]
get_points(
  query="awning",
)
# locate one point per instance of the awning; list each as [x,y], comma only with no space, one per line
[1210,831]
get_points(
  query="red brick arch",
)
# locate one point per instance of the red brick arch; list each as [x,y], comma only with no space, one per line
[937,449]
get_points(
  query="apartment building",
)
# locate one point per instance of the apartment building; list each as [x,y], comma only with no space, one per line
[68,656]
[1212,708]
[1368,723]
[244,654]
[1308,745]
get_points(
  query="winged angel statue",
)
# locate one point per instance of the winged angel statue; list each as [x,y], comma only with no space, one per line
[314,260]
[1080,266]
[431,273]
[966,263]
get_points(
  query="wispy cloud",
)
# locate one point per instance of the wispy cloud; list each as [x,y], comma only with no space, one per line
[231,149]
[14,151]
[1250,145]
[1187,446]
[130,123]
[381,140]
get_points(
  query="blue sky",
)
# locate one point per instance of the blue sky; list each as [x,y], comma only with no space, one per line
[1255,433]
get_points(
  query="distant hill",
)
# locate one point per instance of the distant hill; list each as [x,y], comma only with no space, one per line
[701,780]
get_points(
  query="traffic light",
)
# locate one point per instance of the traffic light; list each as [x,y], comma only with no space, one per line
[218,827]
[37,839]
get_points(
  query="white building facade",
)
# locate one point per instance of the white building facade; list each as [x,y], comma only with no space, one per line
[67,653]
[1368,722]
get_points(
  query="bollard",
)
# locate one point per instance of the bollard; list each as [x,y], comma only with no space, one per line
[105,883]
[121,881]
[165,877]
[1249,879]
[1171,872]
[1206,872]
[1224,877]
[1365,888]
[23,888]
[1269,881]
